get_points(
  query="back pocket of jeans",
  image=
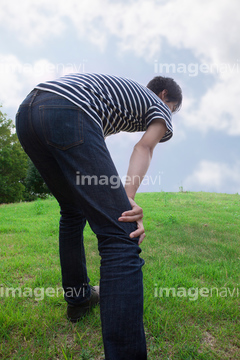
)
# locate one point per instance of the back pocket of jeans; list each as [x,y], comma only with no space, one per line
[62,126]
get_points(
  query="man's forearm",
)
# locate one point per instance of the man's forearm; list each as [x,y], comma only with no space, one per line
[138,166]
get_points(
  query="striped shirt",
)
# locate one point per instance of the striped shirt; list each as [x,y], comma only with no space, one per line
[115,103]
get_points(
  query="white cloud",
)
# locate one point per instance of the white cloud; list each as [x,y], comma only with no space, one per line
[138,25]
[19,78]
[209,28]
[31,21]
[218,108]
[214,176]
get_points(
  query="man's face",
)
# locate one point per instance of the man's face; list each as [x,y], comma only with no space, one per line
[171,104]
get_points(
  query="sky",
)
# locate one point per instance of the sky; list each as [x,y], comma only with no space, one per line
[194,42]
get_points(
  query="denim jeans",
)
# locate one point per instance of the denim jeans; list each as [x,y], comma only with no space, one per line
[68,149]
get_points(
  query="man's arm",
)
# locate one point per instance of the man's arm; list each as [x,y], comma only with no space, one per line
[138,166]
[142,156]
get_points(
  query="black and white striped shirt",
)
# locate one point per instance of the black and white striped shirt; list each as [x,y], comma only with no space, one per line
[115,103]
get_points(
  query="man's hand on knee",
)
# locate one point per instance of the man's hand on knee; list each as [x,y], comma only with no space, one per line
[134,215]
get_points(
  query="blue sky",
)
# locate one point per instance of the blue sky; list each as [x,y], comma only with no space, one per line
[195,42]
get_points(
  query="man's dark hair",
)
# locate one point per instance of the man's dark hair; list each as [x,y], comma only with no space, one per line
[174,92]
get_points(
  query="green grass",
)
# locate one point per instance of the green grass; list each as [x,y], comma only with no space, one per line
[191,281]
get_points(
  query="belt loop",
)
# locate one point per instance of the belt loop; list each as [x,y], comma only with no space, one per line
[29,107]
[33,98]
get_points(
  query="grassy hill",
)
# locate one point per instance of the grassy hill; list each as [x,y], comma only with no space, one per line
[191,281]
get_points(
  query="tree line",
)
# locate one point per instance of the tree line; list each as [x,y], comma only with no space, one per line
[19,178]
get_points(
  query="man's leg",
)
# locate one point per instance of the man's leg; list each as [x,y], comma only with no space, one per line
[72,255]
[103,199]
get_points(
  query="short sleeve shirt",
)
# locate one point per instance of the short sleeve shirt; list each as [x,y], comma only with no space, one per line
[114,103]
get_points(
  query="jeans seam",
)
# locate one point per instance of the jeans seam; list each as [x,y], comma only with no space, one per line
[30,105]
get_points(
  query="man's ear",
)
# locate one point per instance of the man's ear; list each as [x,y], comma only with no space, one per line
[163,95]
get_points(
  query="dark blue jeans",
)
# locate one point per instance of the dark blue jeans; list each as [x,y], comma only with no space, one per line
[69,150]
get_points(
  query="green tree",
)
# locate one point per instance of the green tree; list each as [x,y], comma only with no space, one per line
[34,184]
[13,163]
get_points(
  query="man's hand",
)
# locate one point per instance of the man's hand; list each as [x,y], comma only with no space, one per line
[136,214]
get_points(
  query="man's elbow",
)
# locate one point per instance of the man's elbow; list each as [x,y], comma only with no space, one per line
[144,148]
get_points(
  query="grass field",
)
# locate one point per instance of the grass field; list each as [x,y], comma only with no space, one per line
[191,281]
